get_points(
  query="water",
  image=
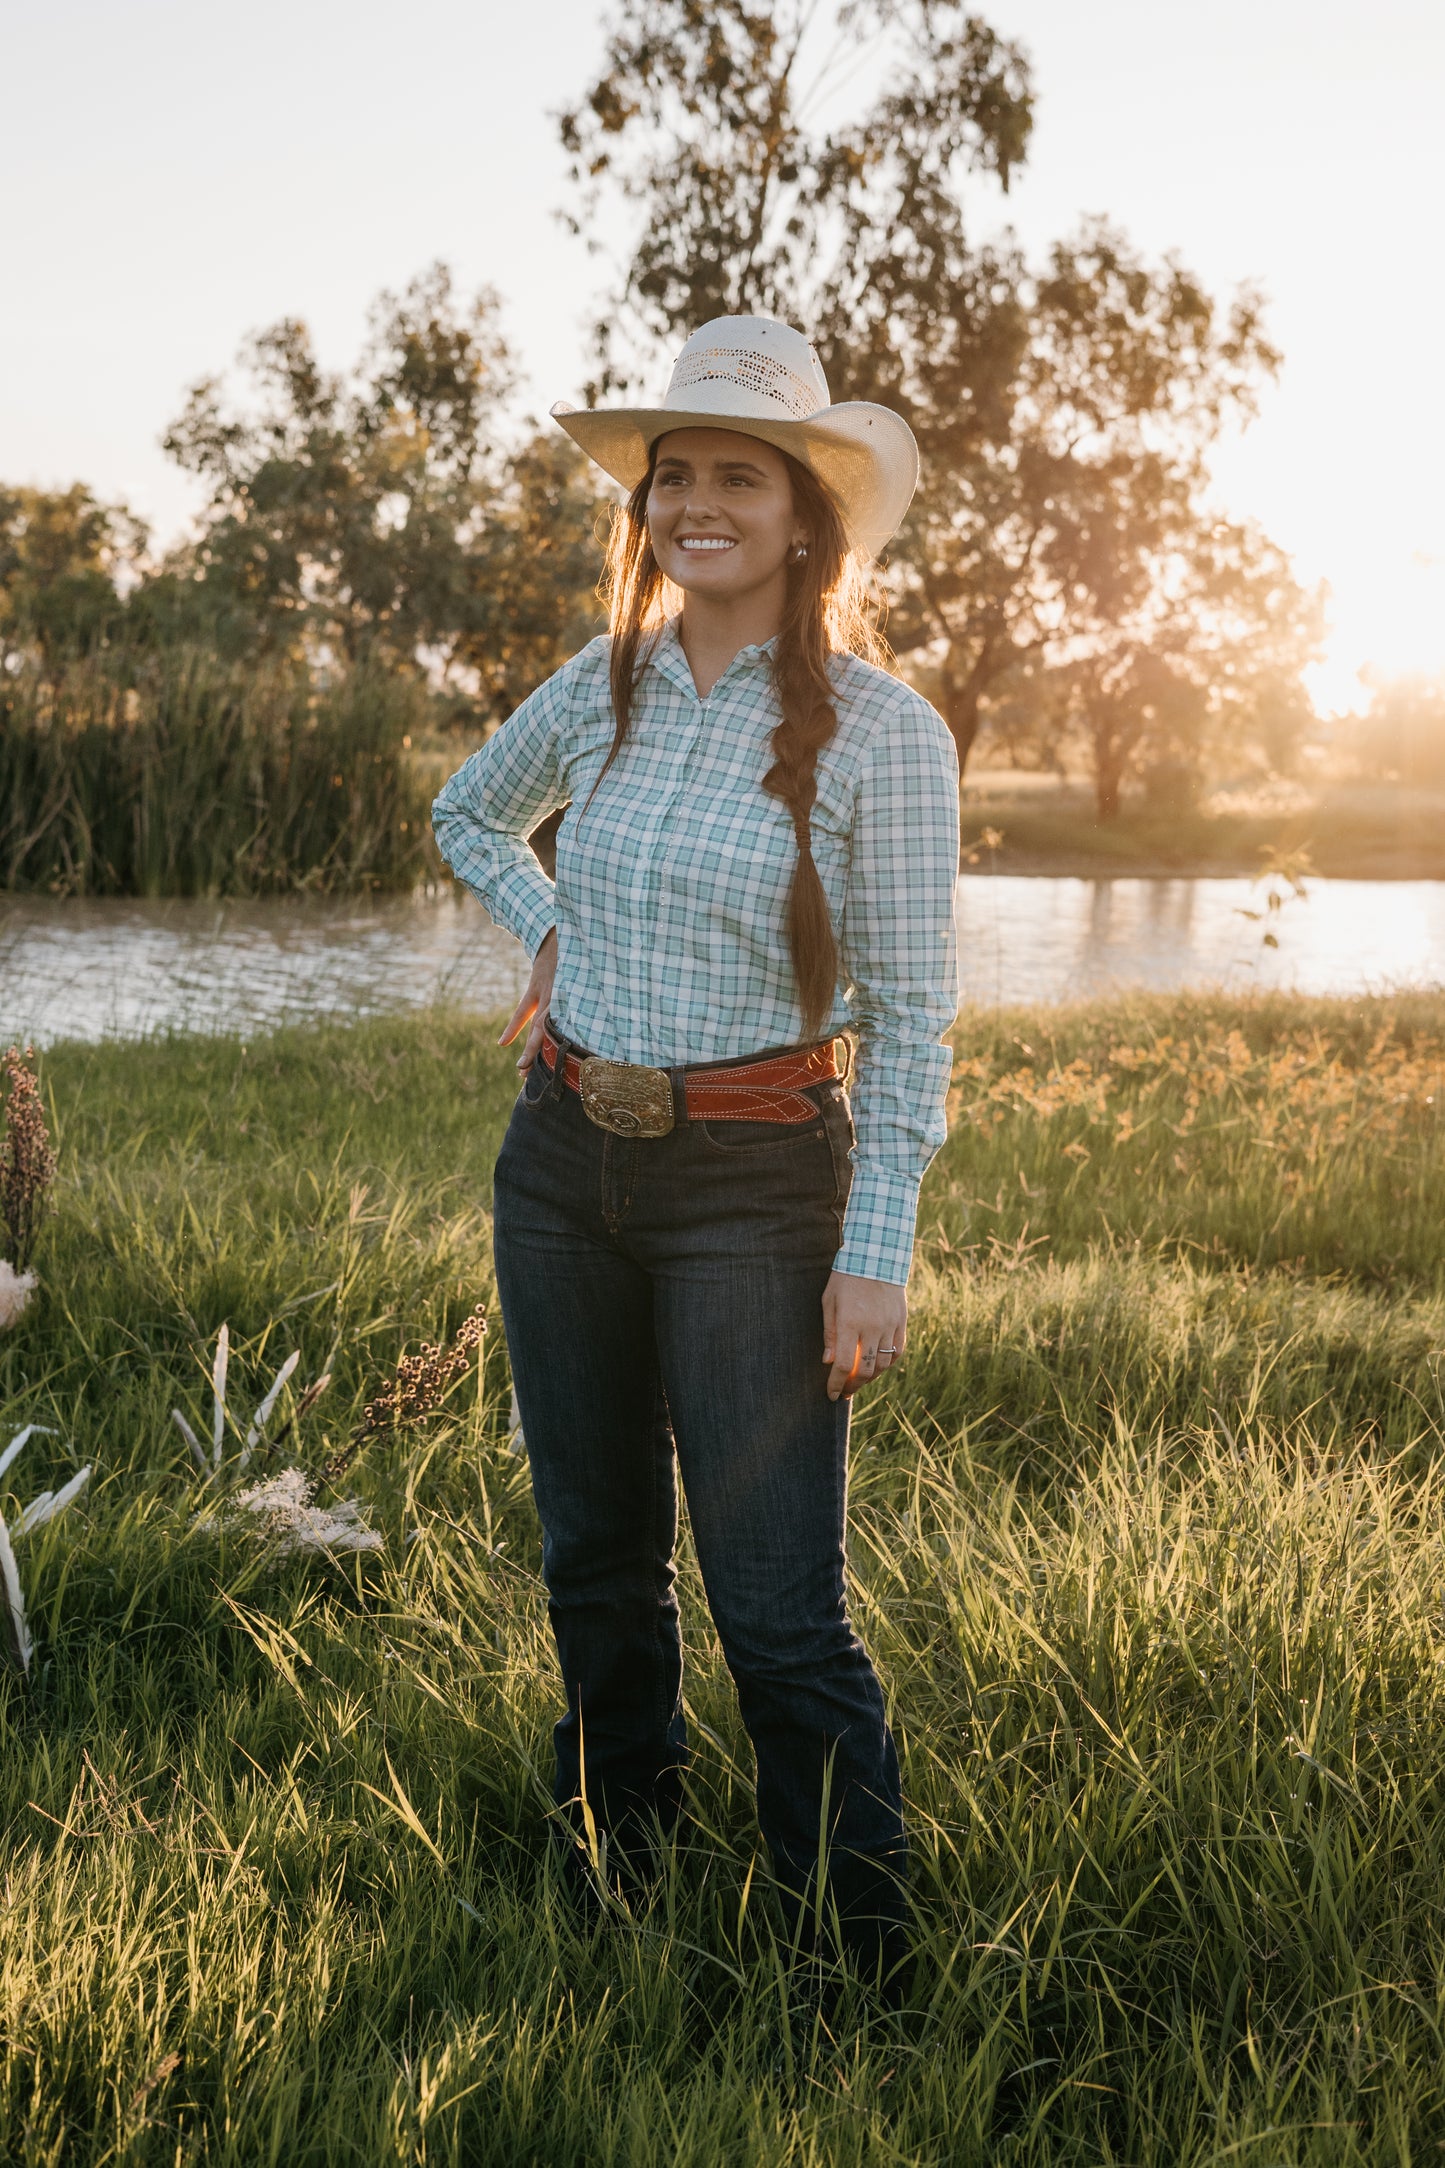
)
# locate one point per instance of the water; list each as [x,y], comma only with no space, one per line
[89,970]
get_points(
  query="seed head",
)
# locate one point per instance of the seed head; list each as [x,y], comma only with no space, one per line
[27,1163]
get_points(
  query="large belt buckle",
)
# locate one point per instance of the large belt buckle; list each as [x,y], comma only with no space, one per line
[629,1100]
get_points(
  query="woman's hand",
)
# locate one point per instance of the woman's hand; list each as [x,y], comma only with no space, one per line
[531,1010]
[865,1323]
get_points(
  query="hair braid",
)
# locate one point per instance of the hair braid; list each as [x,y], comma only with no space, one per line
[825,613]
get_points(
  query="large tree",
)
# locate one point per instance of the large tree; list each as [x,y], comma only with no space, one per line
[391,512]
[1064,413]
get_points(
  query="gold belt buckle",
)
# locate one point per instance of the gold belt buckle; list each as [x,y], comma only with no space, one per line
[629,1100]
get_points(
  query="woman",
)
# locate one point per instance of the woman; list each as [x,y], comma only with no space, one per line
[697,1265]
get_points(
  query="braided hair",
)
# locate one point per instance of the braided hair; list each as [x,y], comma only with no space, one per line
[826,612]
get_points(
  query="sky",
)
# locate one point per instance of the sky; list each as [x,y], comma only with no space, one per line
[176,176]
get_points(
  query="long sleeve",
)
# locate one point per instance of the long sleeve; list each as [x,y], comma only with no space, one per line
[900,951]
[484,815]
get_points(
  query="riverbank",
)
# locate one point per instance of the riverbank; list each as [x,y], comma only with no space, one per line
[1342,831]
[1147,1543]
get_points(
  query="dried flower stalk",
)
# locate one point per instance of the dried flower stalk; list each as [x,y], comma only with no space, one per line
[415,1392]
[27,1163]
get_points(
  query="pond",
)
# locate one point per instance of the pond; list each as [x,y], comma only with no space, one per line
[87,970]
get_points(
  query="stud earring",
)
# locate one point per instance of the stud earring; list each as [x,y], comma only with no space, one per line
[800,551]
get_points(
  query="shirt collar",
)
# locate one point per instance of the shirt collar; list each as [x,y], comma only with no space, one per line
[666,656]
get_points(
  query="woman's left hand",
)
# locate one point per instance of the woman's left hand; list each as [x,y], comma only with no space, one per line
[865,1323]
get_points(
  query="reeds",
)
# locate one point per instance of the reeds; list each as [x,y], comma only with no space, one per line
[184,775]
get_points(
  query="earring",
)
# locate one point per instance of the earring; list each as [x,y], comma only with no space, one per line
[800,552]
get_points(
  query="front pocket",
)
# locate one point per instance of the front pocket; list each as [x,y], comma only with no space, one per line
[536,1084]
[838,1118]
[741,1140]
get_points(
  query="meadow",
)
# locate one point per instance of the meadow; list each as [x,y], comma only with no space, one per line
[1147,1541]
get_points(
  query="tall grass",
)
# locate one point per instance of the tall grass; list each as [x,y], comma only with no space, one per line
[186,775]
[1148,1542]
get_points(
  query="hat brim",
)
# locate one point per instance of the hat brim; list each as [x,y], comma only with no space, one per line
[866,455]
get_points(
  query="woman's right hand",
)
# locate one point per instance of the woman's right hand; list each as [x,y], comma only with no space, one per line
[531,1010]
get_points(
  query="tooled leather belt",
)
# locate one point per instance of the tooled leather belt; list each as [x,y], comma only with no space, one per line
[634,1101]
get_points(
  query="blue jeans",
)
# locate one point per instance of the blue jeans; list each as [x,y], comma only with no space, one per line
[663,1307]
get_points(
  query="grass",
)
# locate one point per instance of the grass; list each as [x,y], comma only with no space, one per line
[1376,830]
[189,776]
[1148,1543]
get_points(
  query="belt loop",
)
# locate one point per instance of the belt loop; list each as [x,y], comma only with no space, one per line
[678,1082]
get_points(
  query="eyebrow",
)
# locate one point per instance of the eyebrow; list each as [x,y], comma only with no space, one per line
[725,466]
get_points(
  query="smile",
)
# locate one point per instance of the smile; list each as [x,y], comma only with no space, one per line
[696,542]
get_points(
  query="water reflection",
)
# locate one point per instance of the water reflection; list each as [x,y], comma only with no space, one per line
[93,969]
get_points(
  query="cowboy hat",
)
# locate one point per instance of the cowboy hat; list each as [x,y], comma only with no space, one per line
[759,377]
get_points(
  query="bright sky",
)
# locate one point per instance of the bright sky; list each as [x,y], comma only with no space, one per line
[176,175]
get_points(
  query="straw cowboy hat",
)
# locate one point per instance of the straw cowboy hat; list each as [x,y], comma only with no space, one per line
[760,377]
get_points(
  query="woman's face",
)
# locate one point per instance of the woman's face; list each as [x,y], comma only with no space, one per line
[720,513]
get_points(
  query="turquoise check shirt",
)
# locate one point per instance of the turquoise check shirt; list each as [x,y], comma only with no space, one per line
[670,902]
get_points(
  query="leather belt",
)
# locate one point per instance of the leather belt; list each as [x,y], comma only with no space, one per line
[632,1100]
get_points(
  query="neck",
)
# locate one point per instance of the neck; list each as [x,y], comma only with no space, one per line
[713,629]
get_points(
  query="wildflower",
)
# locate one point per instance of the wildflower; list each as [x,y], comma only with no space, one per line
[27,1163]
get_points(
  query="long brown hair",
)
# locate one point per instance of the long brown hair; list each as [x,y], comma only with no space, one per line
[827,611]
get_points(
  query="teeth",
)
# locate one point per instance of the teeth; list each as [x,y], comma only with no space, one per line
[719,542]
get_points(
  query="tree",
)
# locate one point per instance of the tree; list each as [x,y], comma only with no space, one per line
[1200,666]
[1403,731]
[1063,415]
[63,559]
[384,515]
[338,509]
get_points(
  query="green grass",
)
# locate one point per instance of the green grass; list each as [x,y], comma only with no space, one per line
[1147,1541]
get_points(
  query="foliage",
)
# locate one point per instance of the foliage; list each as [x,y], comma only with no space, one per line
[1063,412]
[63,557]
[183,774]
[1147,1541]
[1402,732]
[380,515]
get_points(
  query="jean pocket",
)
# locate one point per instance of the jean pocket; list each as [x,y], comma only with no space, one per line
[536,1084]
[743,1140]
[838,1123]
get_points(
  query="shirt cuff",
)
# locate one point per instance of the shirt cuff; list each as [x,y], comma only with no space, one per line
[524,901]
[878,1225]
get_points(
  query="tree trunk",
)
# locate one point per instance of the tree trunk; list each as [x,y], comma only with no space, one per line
[962,698]
[960,712]
[1110,755]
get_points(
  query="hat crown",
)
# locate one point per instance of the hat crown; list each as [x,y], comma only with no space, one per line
[755,366]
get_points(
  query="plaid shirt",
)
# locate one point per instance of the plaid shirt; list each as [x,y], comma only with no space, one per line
[671,895]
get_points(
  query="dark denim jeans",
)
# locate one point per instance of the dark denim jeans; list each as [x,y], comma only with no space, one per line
[662,1302]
